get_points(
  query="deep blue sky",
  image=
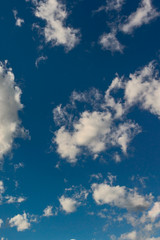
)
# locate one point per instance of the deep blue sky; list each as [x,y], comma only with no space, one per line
[50,84]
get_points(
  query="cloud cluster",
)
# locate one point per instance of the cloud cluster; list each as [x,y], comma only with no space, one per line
[21,222]
[54,14]
[144,14]
[106,126]
[10,105]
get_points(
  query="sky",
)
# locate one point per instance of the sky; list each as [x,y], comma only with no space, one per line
[80,120]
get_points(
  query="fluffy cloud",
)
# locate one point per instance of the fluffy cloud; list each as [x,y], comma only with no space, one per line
[73,198]
[54,14]
[120,197]
[105,124]
[48,211]
[96,132]
[144,14]
[19,21]
[143,88]
[10,105]
[20,222]
[68,205]
[110,42]
[129,236]
[155,211]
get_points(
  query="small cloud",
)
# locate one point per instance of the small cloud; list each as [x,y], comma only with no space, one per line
[21,222]
[19,21]
[48,211]
[109,42]
[40,59]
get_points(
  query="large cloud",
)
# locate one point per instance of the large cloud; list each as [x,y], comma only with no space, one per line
[10,105]
[144,14]
[104,125]
[54,14]
[120,197]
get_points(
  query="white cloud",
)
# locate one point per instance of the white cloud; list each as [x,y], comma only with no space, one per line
[19,21]
[54,14]
[155,211]
[11,199]
[10,105]
[110,42]
[129,236]
[114,5]
[143,88]
[68,205]
[144,14]
[48,211]
[1,222]
[105,124]
[96,132]
[120,197]
[20,221]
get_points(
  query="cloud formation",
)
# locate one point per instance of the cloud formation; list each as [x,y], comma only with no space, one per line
[54,14]
[114,5]
[105,124]
[19,21]
[10,105]
[68,205]
[20,222]
[109,42]
[120,197]
[48,211]
[144,14]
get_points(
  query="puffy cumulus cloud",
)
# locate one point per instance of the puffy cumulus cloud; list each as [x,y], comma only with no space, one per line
[155,211]
[68,205]
[110,42]
[120,197]
[10,105]
[73,198]
[143,87]
[21,222]
[19,21]
[105,125]
[144,14]
[129,236]
[54,14]
[48,211]
[94,131]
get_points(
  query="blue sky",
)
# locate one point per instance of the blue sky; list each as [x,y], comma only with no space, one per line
[80,120]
